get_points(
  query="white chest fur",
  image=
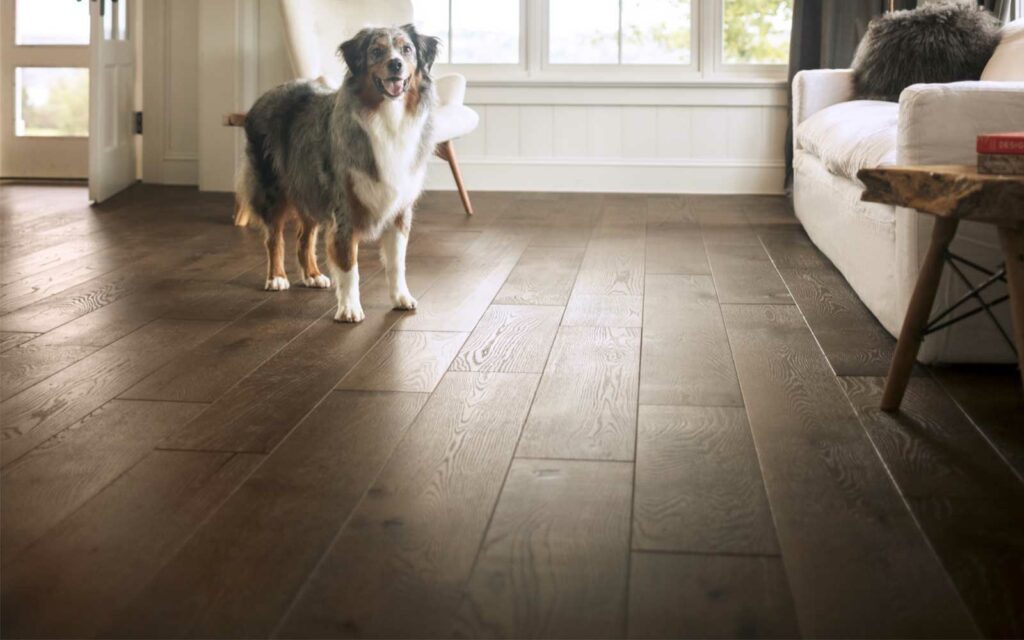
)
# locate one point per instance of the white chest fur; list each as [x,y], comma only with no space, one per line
[395,137]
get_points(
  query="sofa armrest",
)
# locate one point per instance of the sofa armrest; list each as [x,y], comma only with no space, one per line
[451,88]
[813,90]
[940,123]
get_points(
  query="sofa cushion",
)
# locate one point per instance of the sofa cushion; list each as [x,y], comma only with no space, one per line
[850,136]
[1007,63]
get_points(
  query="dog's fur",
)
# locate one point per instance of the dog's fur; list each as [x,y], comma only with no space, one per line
[352,160]
[934,43]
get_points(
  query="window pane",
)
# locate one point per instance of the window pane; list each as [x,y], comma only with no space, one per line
[485,32]
[108,20]
[756,31]
[60,22]
[122,20]
[431,18]
[51,101]
[583,32]
[656,31]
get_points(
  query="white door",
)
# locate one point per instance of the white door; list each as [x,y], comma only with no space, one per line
[44,88]
[111,85]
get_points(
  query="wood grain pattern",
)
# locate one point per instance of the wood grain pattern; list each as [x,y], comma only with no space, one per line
[745,275]
[613,263]
[841,524]
[51,406]
[48,484]
[542,276]
[11,339]
[698,483]
[30,363]
[238,574]
[945,468]
[686,356]
[589,310]
[586,403]
[405,361]
[111,547]
[700,596]
[509,338]
[674,247]
[399,565]
[554,563]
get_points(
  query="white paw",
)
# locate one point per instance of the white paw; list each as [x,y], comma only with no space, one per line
[276,284]
[316,282]
[352,312]
[403,300]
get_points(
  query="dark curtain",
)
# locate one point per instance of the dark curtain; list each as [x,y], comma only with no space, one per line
[1003,9]
[825,35]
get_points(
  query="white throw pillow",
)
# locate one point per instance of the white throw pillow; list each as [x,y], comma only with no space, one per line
[850,136]
[1007,63]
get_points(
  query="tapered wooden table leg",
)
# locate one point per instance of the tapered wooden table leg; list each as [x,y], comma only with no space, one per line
[920,308]
[1013,249]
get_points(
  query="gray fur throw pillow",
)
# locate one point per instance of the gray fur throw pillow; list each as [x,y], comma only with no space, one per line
[933,43]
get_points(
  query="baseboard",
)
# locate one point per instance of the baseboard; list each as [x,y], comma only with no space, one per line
[611,176]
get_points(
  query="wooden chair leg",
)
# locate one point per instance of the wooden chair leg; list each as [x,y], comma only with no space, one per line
[1013,250]
[446,151]
[918,312]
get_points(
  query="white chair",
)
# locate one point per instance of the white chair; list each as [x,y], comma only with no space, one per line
[313,31]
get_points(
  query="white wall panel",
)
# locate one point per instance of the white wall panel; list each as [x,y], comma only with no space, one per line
[502,131]
[571,132]
[536,131]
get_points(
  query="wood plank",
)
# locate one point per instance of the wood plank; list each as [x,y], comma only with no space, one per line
[460,295]
[36,414]
[586,403]
[405,361]
[698,483]
[513,339]
[963,494]
[68,584]
[676,247]
[614,262]
[686,357]
[399,565]
[588,310]
[542,276]
[856,561]
[745,275]
[24,366]
[11,339]
[555,560]
[701,596]
[850,336]
[240,571]
[73,303]
[48,484]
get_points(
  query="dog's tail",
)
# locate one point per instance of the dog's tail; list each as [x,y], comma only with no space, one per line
[243,193]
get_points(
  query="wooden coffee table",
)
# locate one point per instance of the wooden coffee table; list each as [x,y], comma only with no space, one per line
[951,193]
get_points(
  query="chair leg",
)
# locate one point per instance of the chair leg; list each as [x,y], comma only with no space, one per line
[1013,249]
[446,151]
[918,311]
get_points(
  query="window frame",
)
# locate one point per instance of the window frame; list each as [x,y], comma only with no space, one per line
[707,60]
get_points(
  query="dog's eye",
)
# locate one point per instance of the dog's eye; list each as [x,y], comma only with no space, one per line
[376,52]
[407,49]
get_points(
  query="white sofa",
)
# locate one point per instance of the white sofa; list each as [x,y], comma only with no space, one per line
[878,248]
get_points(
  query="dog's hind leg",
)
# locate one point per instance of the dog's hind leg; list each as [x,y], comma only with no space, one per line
[392,247]
[343,252]
[311,275]
[277,278]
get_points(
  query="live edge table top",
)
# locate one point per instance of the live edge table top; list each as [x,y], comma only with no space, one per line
[948,191]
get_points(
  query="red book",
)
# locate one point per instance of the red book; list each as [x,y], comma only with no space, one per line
[1002,143]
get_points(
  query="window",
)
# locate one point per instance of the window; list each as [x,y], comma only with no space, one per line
[619,32]
[756,31]
[616,40]
[54,22]
[473,32]
[51,101]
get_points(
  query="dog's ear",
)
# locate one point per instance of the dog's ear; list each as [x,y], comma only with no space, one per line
[354,51]
[426,48]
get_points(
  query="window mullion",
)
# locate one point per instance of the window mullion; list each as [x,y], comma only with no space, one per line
[620,31]
[451,32]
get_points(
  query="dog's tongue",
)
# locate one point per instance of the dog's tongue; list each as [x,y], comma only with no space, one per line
[394,87]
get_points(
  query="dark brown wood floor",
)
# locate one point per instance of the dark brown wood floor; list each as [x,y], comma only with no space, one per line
[646,416]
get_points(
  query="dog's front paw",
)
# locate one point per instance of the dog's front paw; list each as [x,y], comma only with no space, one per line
[319,281]
[277,283]
[352,312]
[403,300]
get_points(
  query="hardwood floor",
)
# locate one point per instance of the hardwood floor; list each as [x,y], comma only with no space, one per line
[611,416]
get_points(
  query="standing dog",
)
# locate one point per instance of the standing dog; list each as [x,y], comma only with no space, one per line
[353,160]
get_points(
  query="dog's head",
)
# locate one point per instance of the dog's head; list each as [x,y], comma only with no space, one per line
[387,60]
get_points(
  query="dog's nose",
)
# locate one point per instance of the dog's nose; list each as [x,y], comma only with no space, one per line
[395,65]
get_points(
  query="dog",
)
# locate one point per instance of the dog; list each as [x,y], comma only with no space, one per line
[352,160]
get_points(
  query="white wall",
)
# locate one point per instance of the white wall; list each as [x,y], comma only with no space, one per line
[710,138]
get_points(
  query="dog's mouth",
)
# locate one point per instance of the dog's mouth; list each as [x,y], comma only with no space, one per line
[392,87]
